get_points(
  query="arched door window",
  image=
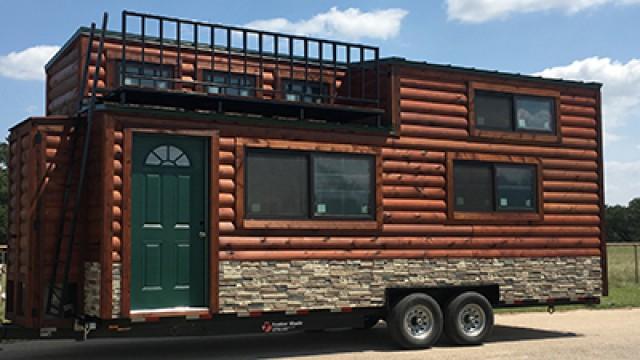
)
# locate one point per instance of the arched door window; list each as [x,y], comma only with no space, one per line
[167,155]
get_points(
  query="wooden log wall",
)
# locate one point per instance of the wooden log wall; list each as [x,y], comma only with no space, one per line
[20,251]
[40,150]
[63,81]
[431,110]
[433,115]
[65,74]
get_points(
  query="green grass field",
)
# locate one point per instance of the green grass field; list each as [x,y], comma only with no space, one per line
[623,290]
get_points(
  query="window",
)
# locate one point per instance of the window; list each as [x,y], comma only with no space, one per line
[473,187]
[276,185]
[493,111]
[511,112]
[534,113]
[342,185]
[229,83]
[487,187]
[283,184]
[167,155]
[309,91]
[515,187]
[148,75]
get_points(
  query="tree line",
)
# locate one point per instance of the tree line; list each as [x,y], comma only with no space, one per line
[622,221]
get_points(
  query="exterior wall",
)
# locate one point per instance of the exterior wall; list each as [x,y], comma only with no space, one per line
[64,74]
[91,291]
[431,110]
[333,284]
[21,252]
[43,146]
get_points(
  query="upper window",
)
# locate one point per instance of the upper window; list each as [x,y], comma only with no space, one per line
[511,112]
[305,91]
[487,187]
[229,83]
[284,184]
[167,155]
[148,75]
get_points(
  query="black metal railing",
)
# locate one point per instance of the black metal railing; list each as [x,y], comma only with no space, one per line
[236,61]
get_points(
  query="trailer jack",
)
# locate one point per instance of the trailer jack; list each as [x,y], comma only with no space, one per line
[84,327]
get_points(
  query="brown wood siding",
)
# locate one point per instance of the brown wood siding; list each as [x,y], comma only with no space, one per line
[414,185]
[65,74]
[430,111]
[40,150]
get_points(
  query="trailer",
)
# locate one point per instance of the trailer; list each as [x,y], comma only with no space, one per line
[195,178]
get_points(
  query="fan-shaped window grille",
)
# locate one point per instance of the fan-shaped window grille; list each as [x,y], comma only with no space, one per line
[167,155]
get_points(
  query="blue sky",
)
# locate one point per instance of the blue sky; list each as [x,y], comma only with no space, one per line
[586,40]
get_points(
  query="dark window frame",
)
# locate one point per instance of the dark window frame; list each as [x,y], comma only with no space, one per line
[311,196]
[323,97]
[533,137]
[493,166]
[246,182]
[513,97]
[170,79]
[498,216]
[253,91]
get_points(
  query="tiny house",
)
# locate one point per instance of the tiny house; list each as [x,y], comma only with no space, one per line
[236,180]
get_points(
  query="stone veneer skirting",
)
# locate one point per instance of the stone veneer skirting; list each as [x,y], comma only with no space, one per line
[330,284]
[92,288]
[3,273]
[116,283]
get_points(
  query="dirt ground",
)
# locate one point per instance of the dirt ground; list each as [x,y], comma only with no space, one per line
[579,334]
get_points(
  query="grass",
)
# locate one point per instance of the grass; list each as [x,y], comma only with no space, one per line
[623,290]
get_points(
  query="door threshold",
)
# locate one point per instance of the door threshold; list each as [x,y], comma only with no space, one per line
[167,312]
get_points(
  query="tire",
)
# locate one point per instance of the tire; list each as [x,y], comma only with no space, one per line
[416,322]
[469,319]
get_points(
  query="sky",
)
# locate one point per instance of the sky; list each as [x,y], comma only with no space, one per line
[591,40]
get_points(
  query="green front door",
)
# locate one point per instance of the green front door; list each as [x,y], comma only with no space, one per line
[168,227]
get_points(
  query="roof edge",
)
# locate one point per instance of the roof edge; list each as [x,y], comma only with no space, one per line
[515,76]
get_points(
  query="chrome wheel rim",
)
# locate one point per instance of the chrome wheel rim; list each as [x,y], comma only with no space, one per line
[472,320]
[418,322]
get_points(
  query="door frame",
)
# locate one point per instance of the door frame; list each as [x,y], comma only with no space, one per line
[211,186]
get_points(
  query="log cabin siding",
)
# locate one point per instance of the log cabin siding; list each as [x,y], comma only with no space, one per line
[430,110]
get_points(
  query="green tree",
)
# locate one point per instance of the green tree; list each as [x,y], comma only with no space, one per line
[617,224]
[623,222]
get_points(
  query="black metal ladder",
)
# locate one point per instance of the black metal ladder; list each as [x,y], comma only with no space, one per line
[58,302]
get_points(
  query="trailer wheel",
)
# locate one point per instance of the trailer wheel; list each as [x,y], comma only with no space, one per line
[416,322]
[469,319]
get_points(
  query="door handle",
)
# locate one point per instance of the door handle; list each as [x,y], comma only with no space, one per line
[202,235]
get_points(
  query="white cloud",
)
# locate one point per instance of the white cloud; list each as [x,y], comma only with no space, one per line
[620,107]
[27,64]
[351,24]
[478,11]
[620,92]
[619,188]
